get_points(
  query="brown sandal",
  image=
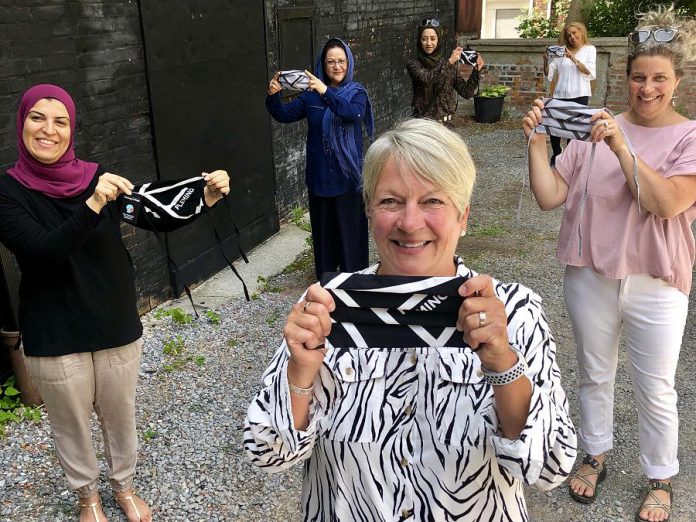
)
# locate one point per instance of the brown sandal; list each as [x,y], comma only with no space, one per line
[129,498]
[655,502]
[597,469]
[92,506]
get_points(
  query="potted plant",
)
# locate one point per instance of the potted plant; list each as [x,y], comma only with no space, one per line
[488,104]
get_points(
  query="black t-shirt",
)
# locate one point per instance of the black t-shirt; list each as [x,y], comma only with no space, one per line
[77,292]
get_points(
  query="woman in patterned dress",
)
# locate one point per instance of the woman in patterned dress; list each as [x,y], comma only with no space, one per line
[433,433]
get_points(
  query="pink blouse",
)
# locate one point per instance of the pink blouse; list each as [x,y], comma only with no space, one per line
[606,233]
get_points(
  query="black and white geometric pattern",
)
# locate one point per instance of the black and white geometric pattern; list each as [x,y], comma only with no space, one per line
[411,434]
[394,311]
[566,119]
[294,80]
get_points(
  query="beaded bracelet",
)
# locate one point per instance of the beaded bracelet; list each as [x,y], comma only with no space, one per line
[300,391]
[508,376]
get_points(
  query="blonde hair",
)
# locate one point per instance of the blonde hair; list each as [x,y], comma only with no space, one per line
[563,37]
[430,150]
[679,50]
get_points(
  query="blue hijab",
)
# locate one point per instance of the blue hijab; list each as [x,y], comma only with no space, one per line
[338,135]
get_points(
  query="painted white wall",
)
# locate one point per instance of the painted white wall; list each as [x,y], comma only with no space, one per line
[492,18]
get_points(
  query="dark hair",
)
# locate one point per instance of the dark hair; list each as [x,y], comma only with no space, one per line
[333,43]
[682,48]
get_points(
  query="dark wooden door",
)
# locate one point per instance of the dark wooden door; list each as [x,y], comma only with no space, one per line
[207,76]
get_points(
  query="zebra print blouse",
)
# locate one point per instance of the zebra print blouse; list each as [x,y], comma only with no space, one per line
[412,434]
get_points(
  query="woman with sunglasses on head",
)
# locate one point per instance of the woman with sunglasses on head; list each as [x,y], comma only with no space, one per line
[627,240]
[435,77]
[335,107]
[573,72]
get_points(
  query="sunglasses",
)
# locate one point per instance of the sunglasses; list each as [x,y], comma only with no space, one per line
[663,35]
[432,22]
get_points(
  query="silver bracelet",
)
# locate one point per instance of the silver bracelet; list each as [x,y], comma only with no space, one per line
[300,391]
[508,376]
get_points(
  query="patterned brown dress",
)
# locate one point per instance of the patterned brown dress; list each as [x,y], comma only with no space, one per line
[442,82]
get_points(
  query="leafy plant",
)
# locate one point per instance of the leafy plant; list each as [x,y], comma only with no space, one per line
[535,24]
[149,434]
[213,316]
[618,17]
[297,218]
[173,346]
[494,91]
[11,407]
[177,315]
[232,343]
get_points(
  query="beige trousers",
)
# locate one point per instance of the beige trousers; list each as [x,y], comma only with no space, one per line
[74,385]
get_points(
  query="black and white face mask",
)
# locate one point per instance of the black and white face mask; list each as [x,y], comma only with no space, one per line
[555,51]
[469,57]
[374,311]
[294,80]
[163,206]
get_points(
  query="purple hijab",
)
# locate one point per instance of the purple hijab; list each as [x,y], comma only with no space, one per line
[66,177]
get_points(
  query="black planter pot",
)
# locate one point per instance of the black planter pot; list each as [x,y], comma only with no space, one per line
[488,110]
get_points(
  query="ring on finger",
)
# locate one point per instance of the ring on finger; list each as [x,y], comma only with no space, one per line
[606,124]
[482,319]
[306,305]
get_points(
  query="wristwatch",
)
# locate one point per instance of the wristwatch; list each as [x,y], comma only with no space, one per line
[508,376]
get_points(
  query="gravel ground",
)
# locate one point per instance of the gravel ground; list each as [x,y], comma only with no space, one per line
[191,406]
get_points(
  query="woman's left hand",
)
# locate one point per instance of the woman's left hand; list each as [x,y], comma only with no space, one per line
[315,84]
[217,185]
[607,129]
[480,63]
[483,320]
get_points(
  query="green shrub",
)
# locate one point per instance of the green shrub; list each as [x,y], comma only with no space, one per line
[494,91]
[618,17]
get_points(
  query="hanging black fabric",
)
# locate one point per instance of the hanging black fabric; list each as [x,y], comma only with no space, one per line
[163,206]
[374,311]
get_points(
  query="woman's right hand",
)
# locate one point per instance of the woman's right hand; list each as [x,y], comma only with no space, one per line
[109,187]
[305,332]
[456,55]
[274,86]
[532,120]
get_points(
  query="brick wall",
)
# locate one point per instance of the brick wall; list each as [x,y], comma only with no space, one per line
[381,35]
[94,50]
[519,64]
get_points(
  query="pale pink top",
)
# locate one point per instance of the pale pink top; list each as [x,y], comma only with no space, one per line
[606,233]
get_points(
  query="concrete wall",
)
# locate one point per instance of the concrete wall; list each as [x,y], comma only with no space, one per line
[519,64]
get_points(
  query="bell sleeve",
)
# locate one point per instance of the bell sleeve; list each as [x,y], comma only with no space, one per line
[544,452]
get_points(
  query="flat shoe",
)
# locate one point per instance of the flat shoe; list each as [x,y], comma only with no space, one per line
[654,486]
[597,469]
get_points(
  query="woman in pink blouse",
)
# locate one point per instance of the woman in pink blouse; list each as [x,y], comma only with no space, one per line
[627,241]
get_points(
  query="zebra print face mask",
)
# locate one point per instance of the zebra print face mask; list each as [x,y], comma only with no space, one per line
[374,311]
[294,80]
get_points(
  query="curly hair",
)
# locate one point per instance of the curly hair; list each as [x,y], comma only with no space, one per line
[563,37]
[679,50]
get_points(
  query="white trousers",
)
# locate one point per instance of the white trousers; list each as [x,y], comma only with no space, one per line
[652,315]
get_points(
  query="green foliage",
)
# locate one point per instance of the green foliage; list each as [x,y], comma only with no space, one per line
[490,231]
[177,315]
[535,24]
[297,218]
[213,317]
[149,434]
[266,286]
[494,91]
[273,318]
[175,350]
[618,17]
[11,407]
[232,343]
[173,346]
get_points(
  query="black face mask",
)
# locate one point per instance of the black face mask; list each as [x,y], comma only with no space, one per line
[163,206]
[374,311]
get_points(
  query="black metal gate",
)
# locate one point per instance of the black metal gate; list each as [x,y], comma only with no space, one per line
[206,67]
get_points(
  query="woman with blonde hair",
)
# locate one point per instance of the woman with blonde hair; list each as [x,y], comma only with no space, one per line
[573,72]
[627,241]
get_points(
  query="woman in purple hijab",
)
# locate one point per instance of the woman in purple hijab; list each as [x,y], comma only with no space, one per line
[80,328]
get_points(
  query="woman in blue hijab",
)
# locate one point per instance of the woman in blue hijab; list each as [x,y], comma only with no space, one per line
[335,107]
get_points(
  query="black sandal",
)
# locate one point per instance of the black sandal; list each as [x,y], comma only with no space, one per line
[597,469]
[654,486]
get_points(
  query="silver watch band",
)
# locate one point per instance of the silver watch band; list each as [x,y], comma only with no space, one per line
[508,376]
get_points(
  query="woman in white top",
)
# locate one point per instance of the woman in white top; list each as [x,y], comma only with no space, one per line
[575,71]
